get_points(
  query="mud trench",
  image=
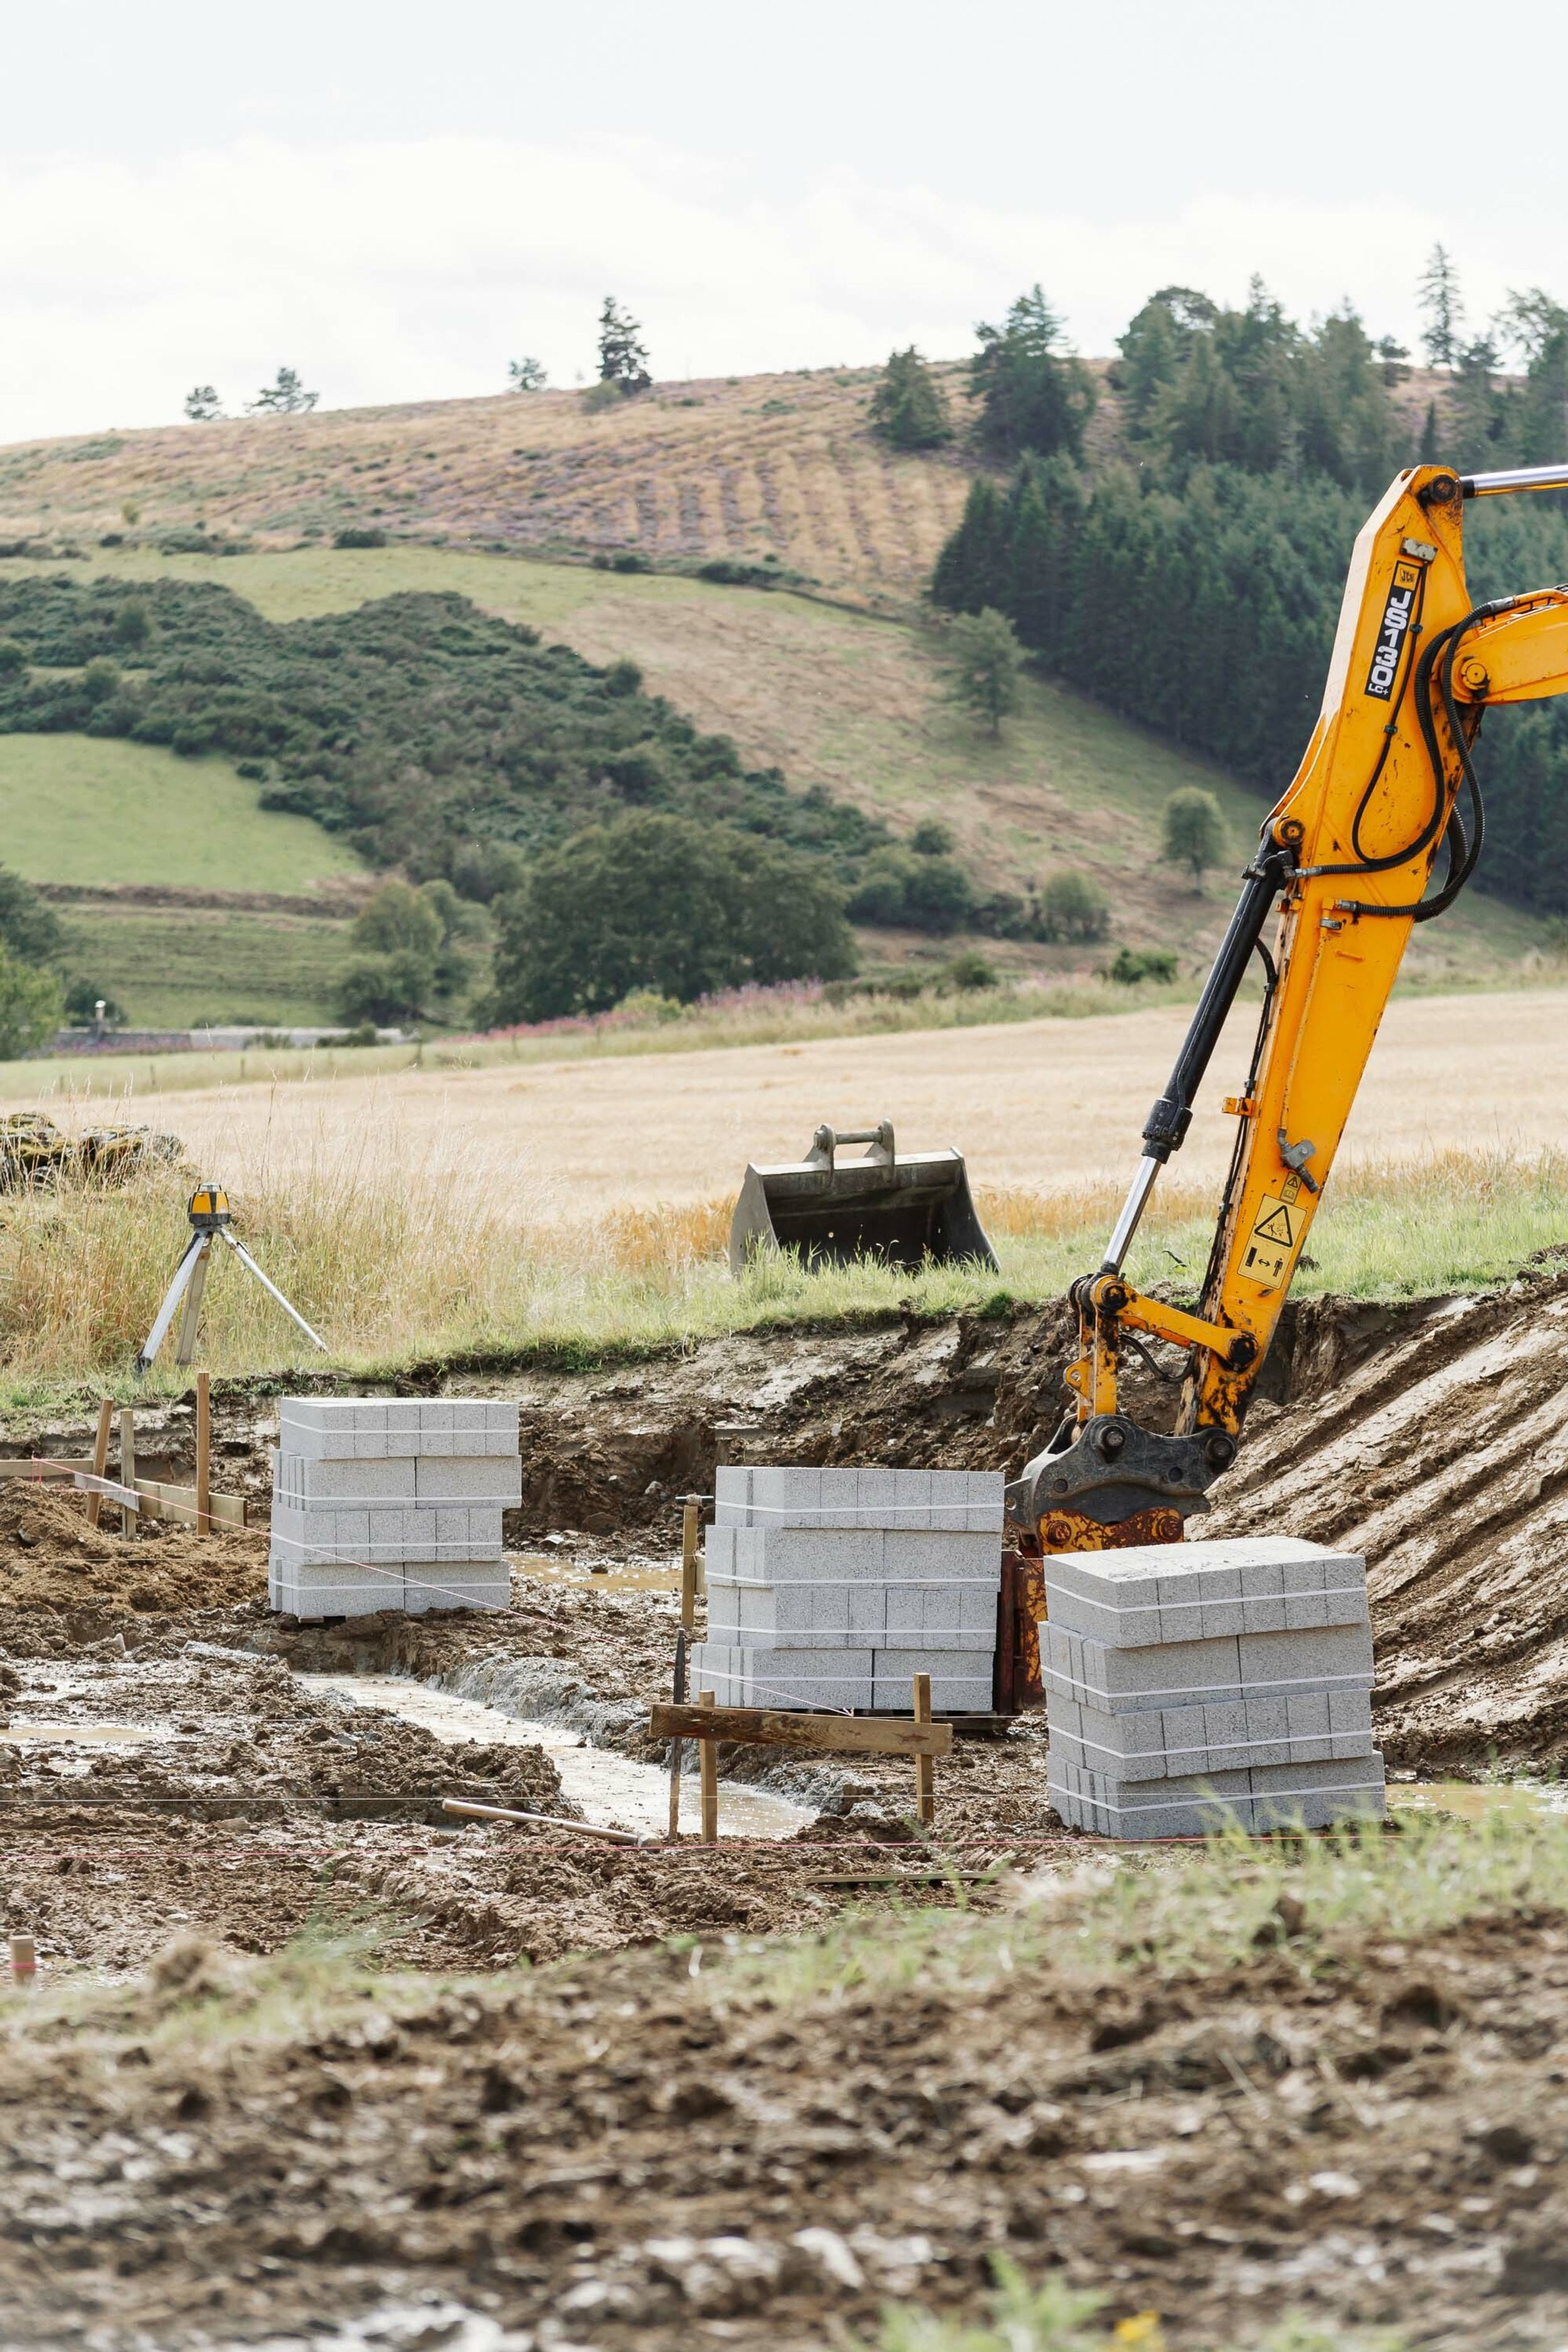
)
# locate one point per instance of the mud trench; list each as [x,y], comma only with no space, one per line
[190,1786]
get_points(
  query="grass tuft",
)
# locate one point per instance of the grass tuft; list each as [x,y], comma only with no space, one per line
[1049,2316]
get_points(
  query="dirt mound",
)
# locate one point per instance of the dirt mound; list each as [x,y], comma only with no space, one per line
[50,1557]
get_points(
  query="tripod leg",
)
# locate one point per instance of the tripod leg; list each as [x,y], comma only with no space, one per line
[195,1248]
[242,1255]
[185,1346]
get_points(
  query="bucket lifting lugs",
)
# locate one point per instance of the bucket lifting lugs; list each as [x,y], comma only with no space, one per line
[902,1209]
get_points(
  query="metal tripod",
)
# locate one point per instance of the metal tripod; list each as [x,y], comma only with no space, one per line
[211,1220]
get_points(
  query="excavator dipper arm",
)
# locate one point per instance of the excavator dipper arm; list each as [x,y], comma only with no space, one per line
[1344,865]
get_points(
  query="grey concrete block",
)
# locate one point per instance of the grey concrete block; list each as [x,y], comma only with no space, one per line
[840,1497]
[342,1589]
[1176,1742]
[875,1491]
[951,1501]
[1316,1794]
[935,1556]
[1272,1665]
[302,1480]
[951,1694]
[904,1608]
[435,1584]
[1307,1728]
[1275,1796]
[739,1674]
[836,1555]
[732,1496]
[1207,1590]
[1281,1662]
[912,1499]
[466,1478]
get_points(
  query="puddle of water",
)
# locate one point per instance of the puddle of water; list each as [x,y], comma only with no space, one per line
[1473,1799]
[614,1792]
[623,1576]
[93,1734]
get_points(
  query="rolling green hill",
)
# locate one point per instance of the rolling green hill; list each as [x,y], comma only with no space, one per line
[856,704]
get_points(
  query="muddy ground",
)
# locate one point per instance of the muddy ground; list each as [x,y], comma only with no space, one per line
[500,2147]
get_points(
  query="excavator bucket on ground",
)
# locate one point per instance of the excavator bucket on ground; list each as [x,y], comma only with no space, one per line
[901,1209]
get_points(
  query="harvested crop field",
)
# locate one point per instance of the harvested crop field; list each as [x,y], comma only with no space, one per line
[290,2076]
[1044,1104]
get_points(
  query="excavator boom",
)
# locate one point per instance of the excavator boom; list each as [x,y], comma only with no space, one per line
[1345,862]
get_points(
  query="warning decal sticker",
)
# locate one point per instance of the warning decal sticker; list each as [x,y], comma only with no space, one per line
[1279,1227]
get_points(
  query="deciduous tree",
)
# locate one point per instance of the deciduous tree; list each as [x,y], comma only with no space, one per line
[1191,832]
[984,662]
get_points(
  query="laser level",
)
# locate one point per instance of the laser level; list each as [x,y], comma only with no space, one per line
[212,1220]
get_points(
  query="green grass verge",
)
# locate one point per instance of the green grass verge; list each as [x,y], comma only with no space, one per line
[74,808]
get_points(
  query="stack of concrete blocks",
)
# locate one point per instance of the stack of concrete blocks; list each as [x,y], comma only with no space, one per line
[391,1503]
[1197,1687]
[835,1588]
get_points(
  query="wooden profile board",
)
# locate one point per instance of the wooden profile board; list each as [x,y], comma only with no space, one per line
[155,1500]
[839,1734]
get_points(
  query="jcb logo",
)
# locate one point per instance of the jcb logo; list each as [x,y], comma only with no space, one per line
[1397,618]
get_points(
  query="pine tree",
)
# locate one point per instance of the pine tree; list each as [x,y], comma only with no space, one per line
[909,408]
[972,570]
[1033,395]
[1153,348]
[202,404]
[1431,449]
[286,396]
[623,357]
[1443,305]
[526,375]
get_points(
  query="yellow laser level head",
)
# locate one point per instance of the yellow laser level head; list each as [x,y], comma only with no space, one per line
[209,1208]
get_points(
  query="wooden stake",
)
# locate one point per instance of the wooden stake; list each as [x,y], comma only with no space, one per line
[688,1564]
[675,1746]
[204,1454]
[925,1766]
[708,1750]
[127,1466]
[100,1457]
[24,1961]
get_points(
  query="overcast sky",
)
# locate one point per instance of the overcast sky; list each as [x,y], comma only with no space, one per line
[398,199]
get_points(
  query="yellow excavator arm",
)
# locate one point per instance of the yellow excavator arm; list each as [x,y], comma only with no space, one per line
[1348,858]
